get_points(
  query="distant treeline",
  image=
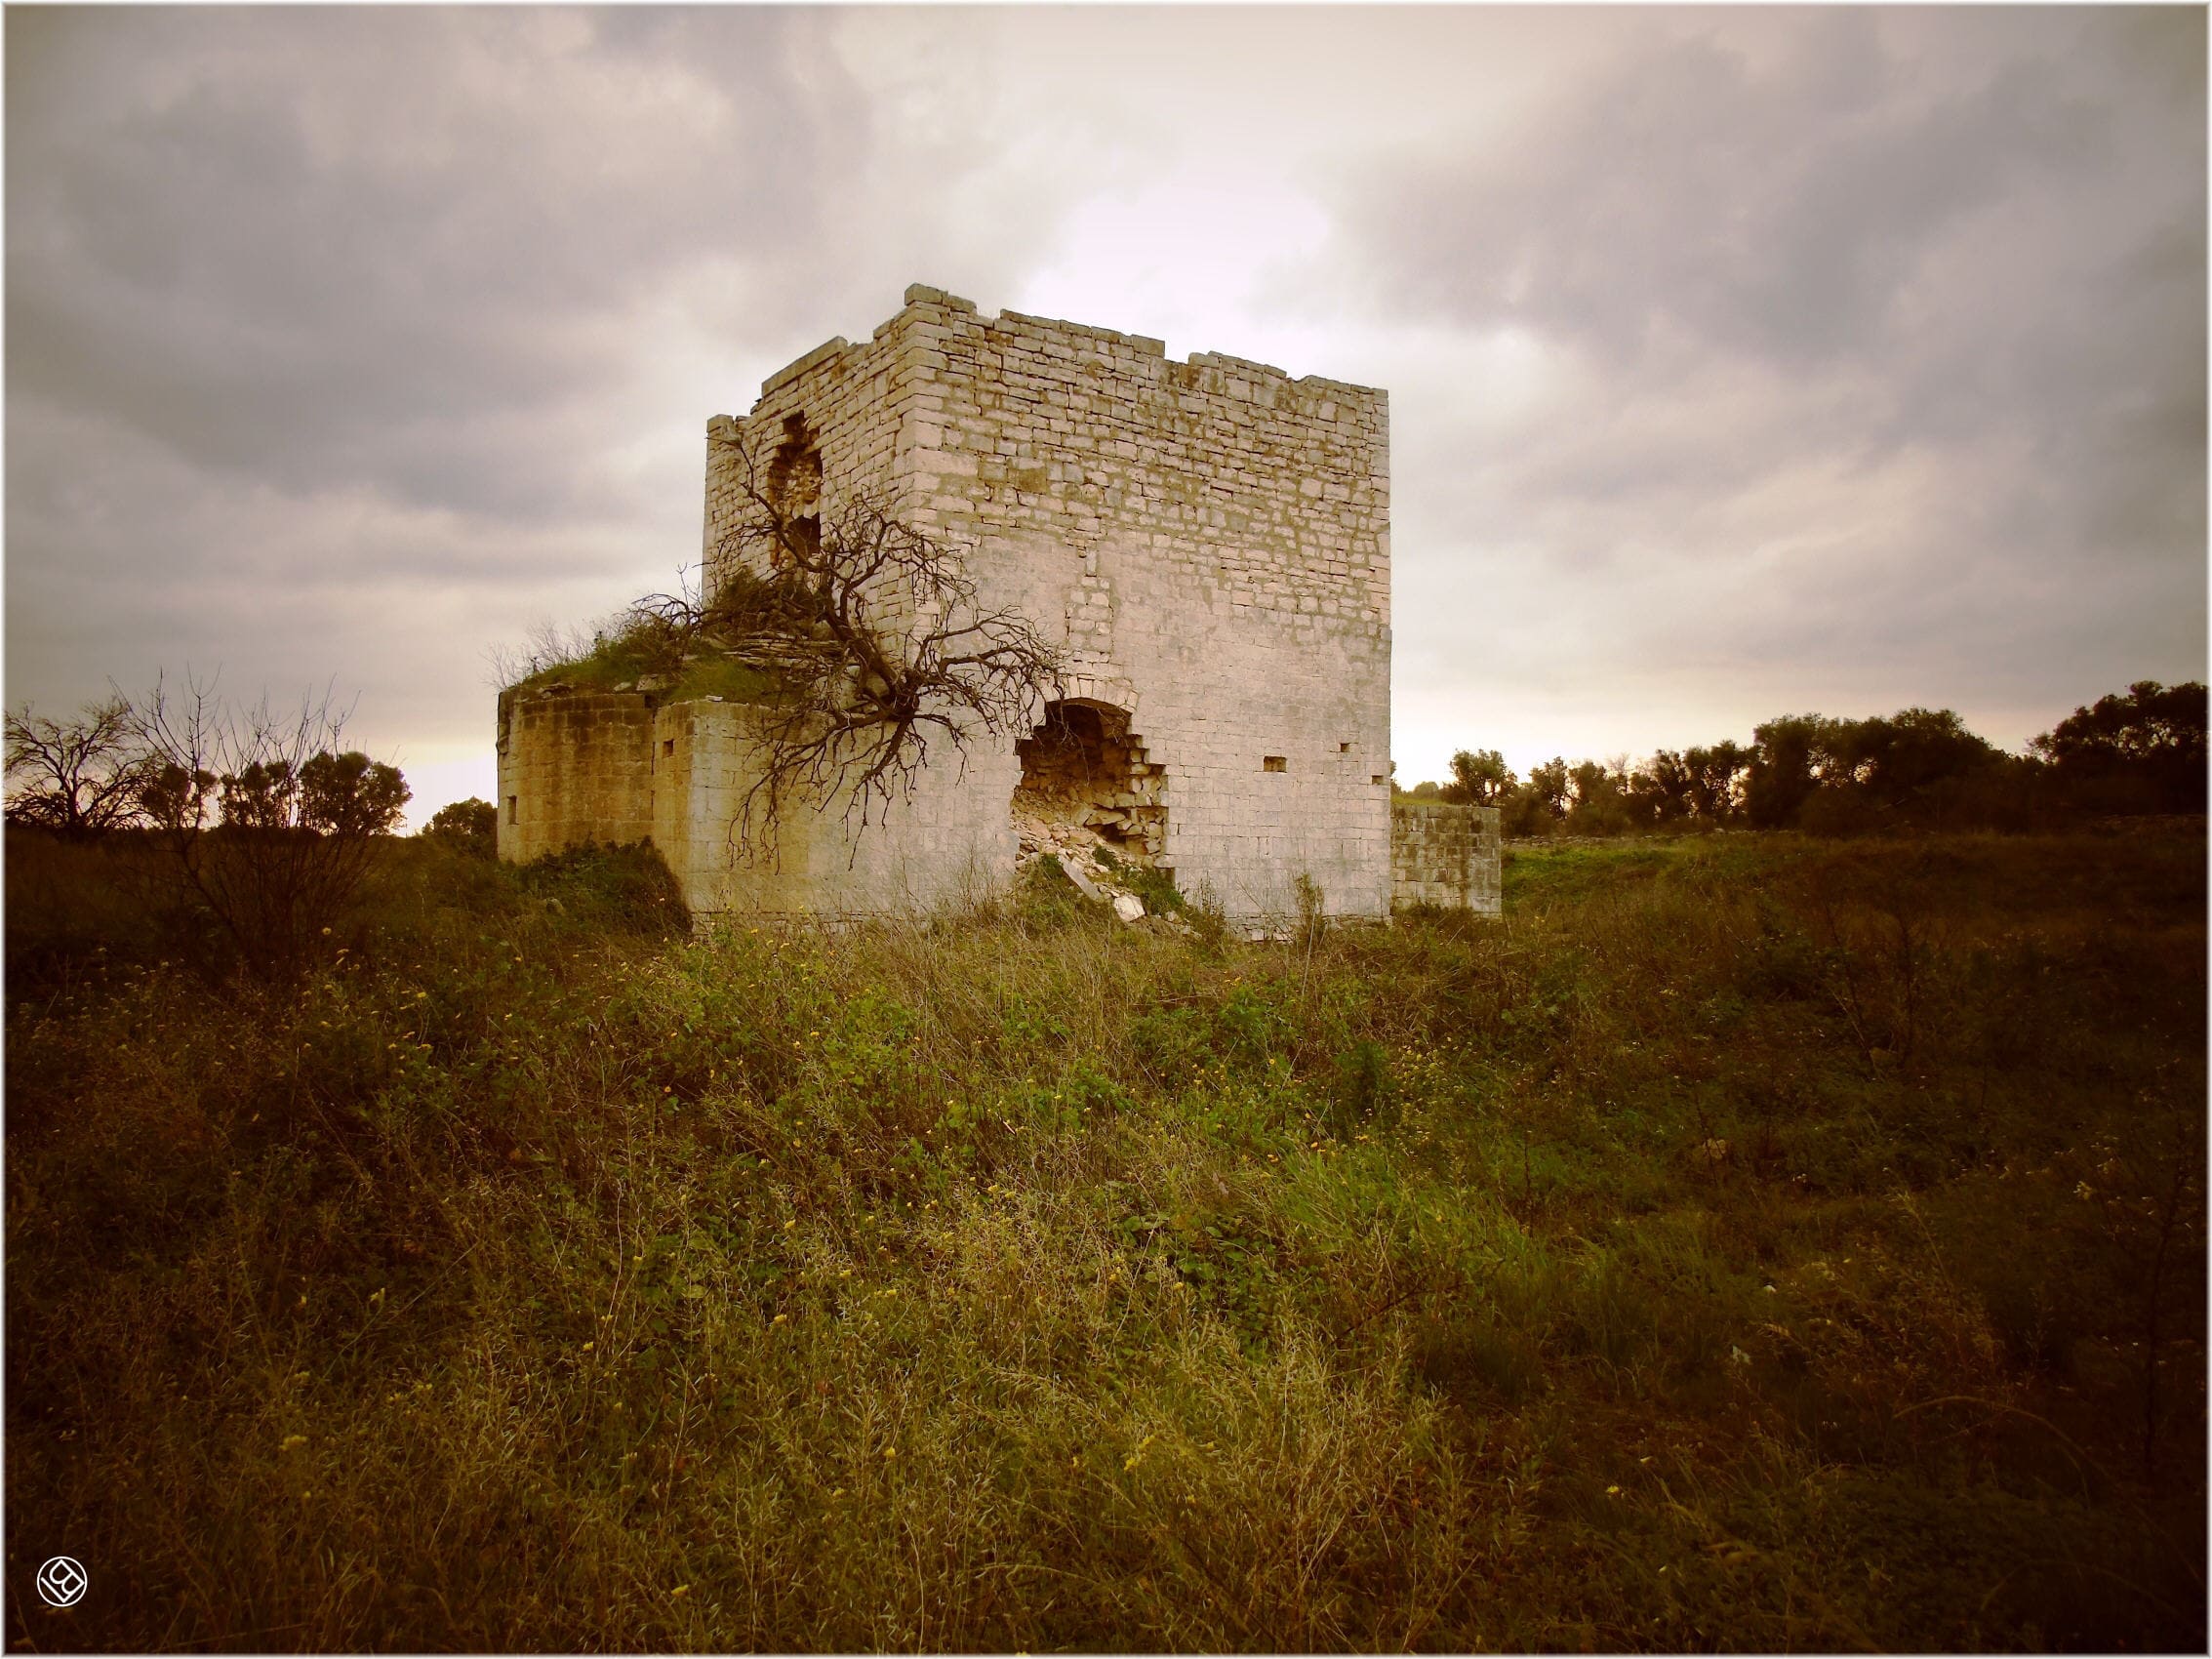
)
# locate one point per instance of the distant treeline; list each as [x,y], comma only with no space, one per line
[2141,751]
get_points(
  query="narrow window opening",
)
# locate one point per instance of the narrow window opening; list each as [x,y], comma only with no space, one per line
[1275,763]
[667,746]
[1378,779]
[512,814]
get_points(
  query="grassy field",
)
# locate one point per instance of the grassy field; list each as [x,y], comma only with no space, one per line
[1749,1243]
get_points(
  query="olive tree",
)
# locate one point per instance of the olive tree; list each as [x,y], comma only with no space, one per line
[469,826]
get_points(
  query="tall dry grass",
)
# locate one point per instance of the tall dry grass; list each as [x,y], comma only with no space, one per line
[1745,1243]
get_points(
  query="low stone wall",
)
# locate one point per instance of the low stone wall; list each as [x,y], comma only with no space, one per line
[614,767]
[948,841]
[1445,855]
[575,766]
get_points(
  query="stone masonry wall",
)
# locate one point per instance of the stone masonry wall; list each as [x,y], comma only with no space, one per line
[1447,855]
[1210,538]
[574,767]
[613,767]
[923,854]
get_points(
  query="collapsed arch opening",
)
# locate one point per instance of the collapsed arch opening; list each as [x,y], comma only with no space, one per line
[1087,780]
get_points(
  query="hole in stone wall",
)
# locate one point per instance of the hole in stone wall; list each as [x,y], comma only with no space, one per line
[1274,763]
[1086,782]
[512,805]
[1343,748]
[667,746]
[795,486]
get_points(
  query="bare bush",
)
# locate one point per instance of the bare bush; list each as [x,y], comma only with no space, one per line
[271,825]
[545,647]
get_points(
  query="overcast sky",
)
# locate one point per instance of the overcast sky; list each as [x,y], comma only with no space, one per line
[1742,362]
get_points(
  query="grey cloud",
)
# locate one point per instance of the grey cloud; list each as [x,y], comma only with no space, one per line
[1773,212]
[1871,341]
[197,254]
[183,570]
[1882,334]
[356,340]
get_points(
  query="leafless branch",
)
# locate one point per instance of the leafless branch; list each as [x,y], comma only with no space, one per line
[79,777]
[270,828]
[878,645]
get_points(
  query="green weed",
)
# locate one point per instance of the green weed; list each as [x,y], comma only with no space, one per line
[1746,1242]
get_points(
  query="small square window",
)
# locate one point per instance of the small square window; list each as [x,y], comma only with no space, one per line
[1274,763]
[1343,748]
[667,746]
[1378,779]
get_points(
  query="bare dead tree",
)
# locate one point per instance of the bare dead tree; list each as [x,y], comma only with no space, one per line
[270,828]
[876,639]
[79,777]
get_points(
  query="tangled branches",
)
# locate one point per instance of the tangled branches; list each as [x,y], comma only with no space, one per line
[874,636]
[76,777]
[269,827]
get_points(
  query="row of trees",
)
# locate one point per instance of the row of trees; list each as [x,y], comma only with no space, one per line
[2137,752]
[99,772]
[263,824]
[195,763]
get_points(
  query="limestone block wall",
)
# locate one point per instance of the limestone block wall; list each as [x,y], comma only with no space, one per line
[1210,538]
[574,767]
[929,850]
[614,767]
[1447,855]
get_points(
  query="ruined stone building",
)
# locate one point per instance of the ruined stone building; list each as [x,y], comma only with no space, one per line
[1209,538]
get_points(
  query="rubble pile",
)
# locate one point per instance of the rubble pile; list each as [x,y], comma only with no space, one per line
[1096,864]
[1090,797]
